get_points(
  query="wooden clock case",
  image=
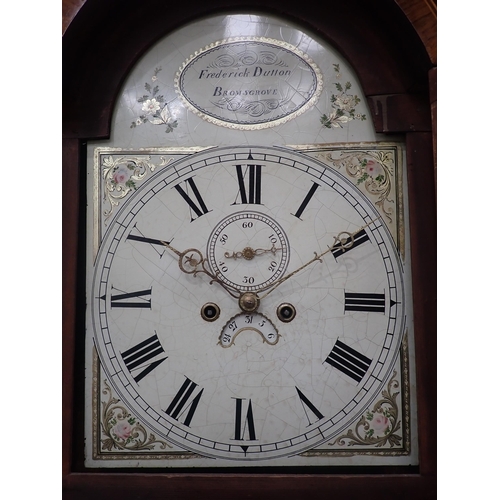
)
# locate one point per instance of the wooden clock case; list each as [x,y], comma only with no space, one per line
[397,71]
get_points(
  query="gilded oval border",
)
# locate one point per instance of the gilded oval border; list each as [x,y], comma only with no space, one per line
[307,102]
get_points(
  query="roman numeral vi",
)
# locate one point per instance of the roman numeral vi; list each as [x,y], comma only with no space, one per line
[248,424]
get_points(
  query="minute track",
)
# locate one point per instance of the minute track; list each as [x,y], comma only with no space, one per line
[186,392]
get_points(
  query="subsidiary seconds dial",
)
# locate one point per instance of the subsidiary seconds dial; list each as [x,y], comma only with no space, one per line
[248,251]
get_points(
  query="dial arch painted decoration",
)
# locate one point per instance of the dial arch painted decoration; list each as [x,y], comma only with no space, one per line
[257,75]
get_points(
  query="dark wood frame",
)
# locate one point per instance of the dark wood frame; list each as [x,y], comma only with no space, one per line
[100,46]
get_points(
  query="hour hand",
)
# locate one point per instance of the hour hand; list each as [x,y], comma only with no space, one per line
[191,261]
[187,260]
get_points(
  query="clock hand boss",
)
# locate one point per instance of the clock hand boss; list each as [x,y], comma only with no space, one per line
[248,301]
[190,261]
[345,243]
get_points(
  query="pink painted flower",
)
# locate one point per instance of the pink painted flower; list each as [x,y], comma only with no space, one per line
[122,175]
[379,422]
[373,168]
[122,430]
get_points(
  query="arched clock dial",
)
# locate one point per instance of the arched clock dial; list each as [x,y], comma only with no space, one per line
[330,306]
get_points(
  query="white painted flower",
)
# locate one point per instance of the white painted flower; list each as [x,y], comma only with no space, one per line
[151,106]
[165,115]
[336,121]
[154,78]
[345,101]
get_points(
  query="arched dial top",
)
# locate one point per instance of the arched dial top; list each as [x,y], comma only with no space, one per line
[273,381]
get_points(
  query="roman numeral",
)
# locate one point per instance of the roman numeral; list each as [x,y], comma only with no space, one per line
[253,194]
[359,238]
[122,299]
[142,239]
[307,404]
[180,404]
[137,357]
[306,200]
[248,425]
[364,302]
[200,208]
[348,361]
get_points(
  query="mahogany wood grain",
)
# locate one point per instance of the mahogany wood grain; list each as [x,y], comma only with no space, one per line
[423,231]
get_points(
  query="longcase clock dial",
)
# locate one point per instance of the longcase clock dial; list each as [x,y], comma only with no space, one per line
[247,303]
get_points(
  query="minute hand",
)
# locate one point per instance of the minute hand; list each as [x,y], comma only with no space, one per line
[344,243]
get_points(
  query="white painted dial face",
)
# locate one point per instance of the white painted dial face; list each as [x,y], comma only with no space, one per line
[242,397]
